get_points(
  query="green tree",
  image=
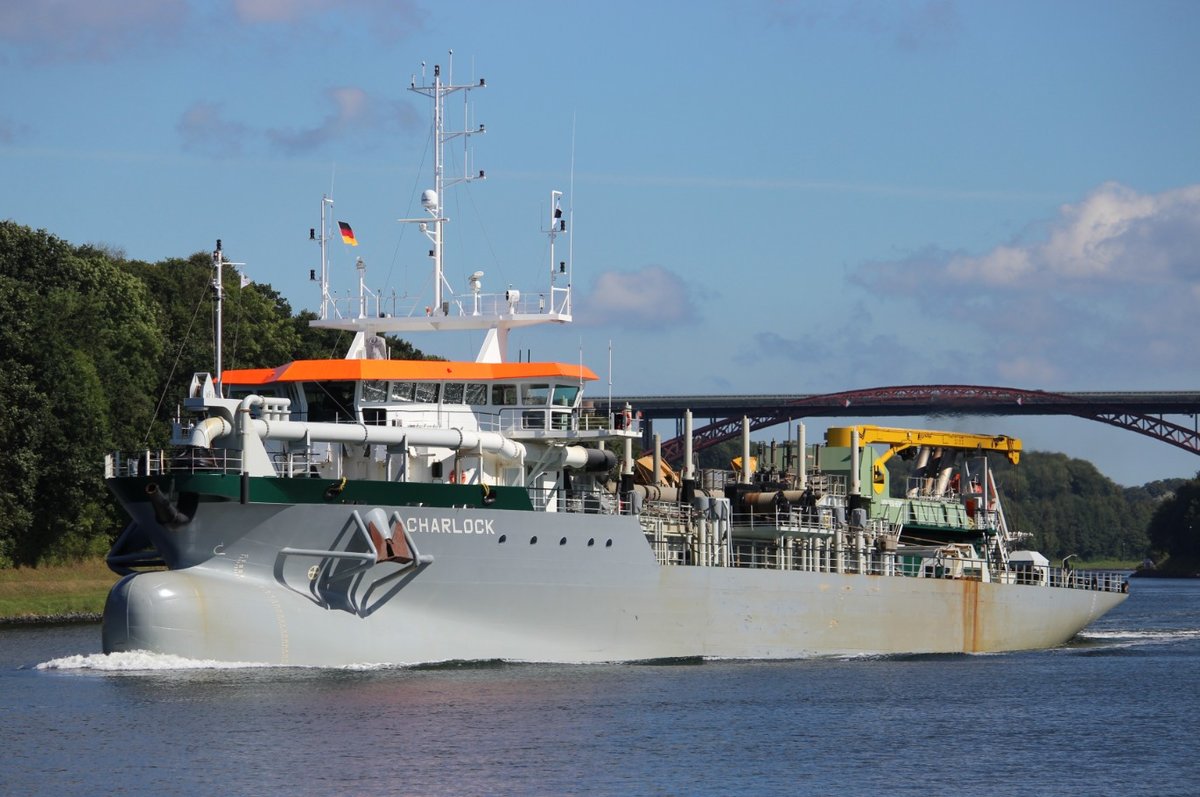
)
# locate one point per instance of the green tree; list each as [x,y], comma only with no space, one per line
[78,353]
[1174,530]
[95,353]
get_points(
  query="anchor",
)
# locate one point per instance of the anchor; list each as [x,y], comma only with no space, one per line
[335,580]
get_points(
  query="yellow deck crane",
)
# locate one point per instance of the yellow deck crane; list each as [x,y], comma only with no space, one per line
[900,439]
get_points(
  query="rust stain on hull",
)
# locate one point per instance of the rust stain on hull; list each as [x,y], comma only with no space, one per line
[972,633]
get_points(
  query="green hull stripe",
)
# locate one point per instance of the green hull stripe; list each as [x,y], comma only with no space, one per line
[268,490]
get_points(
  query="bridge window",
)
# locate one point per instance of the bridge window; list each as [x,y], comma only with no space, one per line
[476,394]
[329,401]
[535,395]
[565,395]
[504,395]
[426,392]
[403,391]
[266,391]
[374,390]
[452,393]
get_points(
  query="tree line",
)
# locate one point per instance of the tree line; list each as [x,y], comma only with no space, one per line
[96,350]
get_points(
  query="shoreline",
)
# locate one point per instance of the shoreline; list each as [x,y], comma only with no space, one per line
[38,620]
[60,594]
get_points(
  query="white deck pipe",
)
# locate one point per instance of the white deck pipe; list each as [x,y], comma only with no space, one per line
[687,445]
[855,481]
[745,476]
[802,468]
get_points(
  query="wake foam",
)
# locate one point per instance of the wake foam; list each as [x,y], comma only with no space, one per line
[136,661]
[1130,638]
[141,661]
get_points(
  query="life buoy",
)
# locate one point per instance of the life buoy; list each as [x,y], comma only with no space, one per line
[454,477]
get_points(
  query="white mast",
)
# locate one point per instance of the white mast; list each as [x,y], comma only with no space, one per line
[326,301]
[219,292]
[497,313]
[219,263]
[431,199]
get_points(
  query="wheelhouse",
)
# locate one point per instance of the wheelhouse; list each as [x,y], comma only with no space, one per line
[519,399]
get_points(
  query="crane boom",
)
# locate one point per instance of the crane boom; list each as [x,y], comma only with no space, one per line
[900,439]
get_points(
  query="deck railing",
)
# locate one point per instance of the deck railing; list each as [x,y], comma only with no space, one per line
[821,543]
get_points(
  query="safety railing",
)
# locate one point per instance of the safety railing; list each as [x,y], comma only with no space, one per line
[1100,580]
[159,463]
[583,502]
[824,548]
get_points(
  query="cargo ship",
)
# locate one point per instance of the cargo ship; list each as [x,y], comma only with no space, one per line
[374,510]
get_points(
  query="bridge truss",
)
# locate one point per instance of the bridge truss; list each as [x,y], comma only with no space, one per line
[1136,412]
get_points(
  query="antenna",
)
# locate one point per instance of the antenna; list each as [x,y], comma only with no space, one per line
[571,219]
[497,313]
[610,374]
[362,287]
[322,239]
[218,259]
[432,200]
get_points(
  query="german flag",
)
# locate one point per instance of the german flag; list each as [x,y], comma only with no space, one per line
[347,234]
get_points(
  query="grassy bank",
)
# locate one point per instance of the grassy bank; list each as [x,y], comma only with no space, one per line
[1104,564]
[55,591]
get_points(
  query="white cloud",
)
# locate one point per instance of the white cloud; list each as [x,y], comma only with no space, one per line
[353,112]
[1116,235]
[387,19]
[204,129]
[1004,265]
[12,131]
[1105,294]
[651,297]
[350,107]
[277,10]
[45,31]
[88,30]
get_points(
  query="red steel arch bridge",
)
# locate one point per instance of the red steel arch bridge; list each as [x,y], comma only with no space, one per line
[1142,412]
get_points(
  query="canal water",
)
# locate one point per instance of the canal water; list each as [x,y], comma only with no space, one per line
[1114,712]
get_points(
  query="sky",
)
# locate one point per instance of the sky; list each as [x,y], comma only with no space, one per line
[771,196]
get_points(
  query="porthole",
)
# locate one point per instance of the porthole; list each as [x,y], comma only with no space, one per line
[591,542]
[503,537]
[563,541]
[533,540]
[608,544]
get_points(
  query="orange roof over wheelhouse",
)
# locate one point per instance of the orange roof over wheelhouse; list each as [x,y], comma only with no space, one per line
[408,370]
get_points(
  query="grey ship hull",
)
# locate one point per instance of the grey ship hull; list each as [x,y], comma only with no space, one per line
[492,592]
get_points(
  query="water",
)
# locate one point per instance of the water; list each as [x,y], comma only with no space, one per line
[1114,712]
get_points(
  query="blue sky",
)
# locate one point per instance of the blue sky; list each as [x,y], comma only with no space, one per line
[769,197]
